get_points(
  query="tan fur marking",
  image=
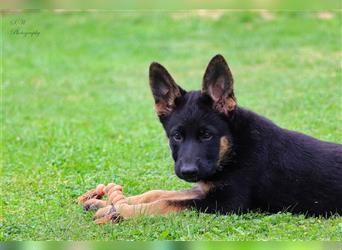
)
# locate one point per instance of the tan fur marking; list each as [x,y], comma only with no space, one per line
[205,187]
[161,108]
[158,201]
[224,147]
[155,202]
[224,104]
[95,203]
[91,194]
[153,208]
[155,195]
[165,106]
[231,103]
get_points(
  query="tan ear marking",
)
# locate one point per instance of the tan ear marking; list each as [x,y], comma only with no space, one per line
[165,107]
[225,105]
[231,103]
[224,147]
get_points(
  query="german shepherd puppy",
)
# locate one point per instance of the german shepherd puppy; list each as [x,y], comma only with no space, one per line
[240,160]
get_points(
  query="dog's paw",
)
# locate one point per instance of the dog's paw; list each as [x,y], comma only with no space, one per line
[116,198]
[107,214]
[91,194]
[115,194]
[96,193]
[111,187]
[94,204]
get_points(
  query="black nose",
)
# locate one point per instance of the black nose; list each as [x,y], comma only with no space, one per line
[189,171]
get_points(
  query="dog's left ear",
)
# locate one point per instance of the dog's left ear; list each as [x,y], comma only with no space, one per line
[218,84]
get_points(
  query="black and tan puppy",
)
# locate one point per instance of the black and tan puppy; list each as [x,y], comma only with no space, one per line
[240,160]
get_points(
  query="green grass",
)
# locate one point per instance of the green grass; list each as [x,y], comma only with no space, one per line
[77,111]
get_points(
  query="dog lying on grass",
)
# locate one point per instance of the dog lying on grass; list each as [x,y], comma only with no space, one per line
[240,161]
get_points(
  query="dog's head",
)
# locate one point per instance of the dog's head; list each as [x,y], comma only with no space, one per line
[196,121]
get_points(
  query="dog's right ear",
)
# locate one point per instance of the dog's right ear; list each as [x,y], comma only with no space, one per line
[164,89]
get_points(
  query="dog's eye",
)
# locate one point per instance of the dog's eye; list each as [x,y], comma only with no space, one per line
[177,136]
[205,135]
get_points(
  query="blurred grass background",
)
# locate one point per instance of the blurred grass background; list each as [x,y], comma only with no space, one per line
[173,245]
[77,111]
[313,5]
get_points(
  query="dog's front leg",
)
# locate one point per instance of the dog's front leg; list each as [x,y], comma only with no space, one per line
[122,210]
[198,191]
[155,195]
[155,202]
[92,199]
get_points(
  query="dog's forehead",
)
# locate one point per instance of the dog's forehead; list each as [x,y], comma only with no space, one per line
[189,109]
[191,97]
[190,112]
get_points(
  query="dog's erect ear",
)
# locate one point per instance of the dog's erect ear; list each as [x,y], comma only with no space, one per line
[218,84]
[164,89]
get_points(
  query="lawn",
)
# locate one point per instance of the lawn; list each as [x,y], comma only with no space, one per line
[76,110]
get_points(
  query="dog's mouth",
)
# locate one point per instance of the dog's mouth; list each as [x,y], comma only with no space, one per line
[192,179]
[199,177]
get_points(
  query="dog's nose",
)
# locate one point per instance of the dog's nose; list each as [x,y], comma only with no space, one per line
[189,171]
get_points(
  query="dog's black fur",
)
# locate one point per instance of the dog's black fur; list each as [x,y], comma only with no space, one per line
[262,166]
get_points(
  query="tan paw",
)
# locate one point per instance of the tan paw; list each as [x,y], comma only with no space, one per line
[117,197]
[94,204]
[91,194]
[111,187]
[107,214]
[96,193]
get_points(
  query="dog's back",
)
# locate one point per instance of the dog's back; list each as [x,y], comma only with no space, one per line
[293,171]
